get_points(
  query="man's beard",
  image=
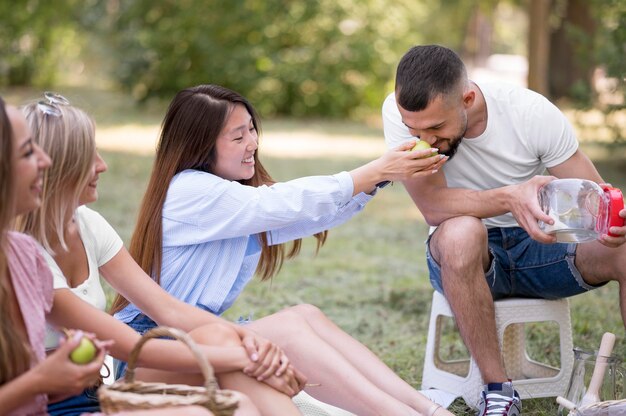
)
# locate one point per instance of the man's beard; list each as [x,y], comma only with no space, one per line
[456,141]
[454,145]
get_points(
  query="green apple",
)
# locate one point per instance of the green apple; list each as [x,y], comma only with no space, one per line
[84,353]
[422,145]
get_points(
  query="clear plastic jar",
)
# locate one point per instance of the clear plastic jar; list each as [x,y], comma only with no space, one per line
[582,210]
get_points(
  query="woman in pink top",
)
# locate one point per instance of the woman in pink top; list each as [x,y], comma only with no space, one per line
[27,377]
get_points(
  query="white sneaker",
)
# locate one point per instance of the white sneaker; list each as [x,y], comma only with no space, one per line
[500,401]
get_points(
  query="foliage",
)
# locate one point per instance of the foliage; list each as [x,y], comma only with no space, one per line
[598,43]
[36,36]
[324,58]
[611,41]
[288,57]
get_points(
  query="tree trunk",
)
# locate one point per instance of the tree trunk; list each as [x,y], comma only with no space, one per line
[478,36]
[539,46]
[571,52]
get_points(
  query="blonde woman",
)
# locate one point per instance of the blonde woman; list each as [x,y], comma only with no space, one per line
[80,245]
[27,377]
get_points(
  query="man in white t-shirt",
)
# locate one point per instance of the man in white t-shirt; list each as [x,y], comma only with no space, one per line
[487,244]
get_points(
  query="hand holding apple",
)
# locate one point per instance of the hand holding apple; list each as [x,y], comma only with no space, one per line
[85,352]
[397,164]
[422,145]
[74,377]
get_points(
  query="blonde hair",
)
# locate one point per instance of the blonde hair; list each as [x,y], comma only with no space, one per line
[69,140]
[14,351]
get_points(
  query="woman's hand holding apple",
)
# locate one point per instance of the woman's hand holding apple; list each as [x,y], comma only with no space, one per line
[58,376]
[410,160]
[399,164]
[422,145]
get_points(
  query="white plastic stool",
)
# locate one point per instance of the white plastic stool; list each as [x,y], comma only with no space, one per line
[530,378]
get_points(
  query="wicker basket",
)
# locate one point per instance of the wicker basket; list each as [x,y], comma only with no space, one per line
[128,394]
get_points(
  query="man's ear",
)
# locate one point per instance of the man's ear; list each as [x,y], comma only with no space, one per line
[469,97]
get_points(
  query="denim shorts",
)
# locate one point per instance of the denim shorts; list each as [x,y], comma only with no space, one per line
[523,267]
[86,402]
[142,324]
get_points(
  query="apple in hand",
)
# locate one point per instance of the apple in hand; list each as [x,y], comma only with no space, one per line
[422,145]
[85,352]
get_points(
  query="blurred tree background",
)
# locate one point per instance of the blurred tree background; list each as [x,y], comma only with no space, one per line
[329,58]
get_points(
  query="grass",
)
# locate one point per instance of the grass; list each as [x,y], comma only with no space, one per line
[370,277]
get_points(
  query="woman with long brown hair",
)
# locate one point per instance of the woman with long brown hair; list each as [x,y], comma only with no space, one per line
[212,216]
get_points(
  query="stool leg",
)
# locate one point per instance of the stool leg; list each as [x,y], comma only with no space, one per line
[514,351]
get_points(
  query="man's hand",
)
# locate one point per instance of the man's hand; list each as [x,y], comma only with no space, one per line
[524,205]
[619,234]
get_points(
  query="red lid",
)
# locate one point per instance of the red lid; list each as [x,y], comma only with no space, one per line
[616,204]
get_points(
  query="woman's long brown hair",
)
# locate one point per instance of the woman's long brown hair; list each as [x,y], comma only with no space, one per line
[14,352]
[189,133]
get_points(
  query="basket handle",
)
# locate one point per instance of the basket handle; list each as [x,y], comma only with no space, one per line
[160,331]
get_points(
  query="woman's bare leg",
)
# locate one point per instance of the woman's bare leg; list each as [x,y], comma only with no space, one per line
[351,376]
[363,359]
[169,411]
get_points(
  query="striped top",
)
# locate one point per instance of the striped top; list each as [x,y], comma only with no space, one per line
[211,225]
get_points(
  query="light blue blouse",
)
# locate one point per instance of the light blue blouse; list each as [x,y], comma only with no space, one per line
[211,225]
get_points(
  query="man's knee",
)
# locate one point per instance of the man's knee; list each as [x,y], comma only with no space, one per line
[458,239]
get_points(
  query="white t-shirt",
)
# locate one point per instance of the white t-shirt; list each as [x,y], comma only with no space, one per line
[101,244]
[525,134]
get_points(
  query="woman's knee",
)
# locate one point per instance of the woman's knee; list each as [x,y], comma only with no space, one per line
[217,333]
[304,313]
[309,312]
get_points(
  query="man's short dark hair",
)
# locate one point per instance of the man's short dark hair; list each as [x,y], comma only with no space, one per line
[426,72]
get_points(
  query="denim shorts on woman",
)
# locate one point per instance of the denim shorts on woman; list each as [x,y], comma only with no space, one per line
[86,402]
[142,324]
[523,267]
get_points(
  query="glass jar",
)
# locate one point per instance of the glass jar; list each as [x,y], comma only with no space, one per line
[582,210]
[584,365]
